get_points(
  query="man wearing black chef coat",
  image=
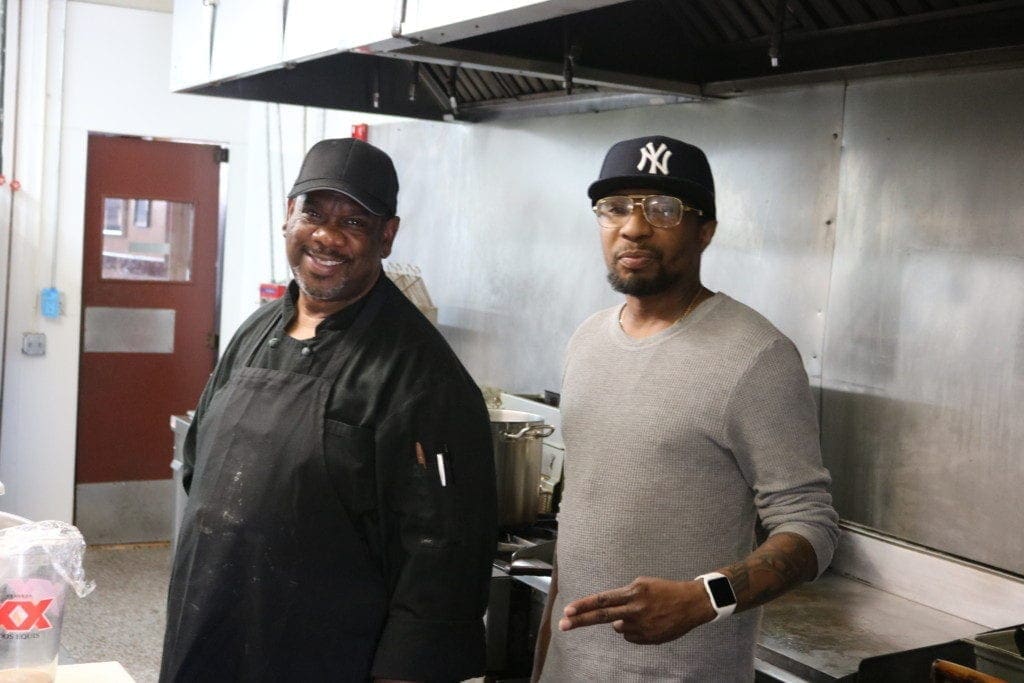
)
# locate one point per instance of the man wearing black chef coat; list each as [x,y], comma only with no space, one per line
[341,514]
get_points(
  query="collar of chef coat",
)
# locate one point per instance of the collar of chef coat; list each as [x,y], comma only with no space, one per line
[340,321]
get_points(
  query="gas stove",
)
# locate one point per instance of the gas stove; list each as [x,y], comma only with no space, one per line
[522,564]
[519,585]
[527,550]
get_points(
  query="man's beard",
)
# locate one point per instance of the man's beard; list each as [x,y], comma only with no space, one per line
[311,288]
[639,286]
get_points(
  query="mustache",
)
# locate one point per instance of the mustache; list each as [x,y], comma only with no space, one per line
[328,254]
[650,251]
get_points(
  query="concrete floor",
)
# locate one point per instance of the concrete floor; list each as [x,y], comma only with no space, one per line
[123,619]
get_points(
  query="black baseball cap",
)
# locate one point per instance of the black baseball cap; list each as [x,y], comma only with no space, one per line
[660,163]
[352,167]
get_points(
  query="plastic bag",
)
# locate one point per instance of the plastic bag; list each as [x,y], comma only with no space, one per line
[38,562]
[60,542]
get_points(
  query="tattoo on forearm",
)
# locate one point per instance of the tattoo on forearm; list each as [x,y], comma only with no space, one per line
[778,565]
[739,577]
[784,574]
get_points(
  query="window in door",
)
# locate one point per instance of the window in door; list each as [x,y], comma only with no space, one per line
[147,239]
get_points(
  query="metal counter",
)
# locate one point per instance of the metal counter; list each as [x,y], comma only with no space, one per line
[822,631]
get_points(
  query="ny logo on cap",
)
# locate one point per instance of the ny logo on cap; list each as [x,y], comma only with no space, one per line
[658,158]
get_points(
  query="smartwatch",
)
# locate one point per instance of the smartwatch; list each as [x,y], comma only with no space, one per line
[718,588]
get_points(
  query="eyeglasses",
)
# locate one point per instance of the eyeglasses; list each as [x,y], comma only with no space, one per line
[661,211]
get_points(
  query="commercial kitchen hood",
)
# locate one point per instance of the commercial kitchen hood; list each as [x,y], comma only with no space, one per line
[487,59]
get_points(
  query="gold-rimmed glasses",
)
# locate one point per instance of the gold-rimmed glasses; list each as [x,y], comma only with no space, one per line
[660,210]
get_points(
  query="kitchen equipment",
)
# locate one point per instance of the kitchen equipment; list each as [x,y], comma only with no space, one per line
[552,449]
[528,551]
[550,480]
[512,622]
[519,584]
[179,425]
[516,438]
[998,655]
[408,279]
[523,561]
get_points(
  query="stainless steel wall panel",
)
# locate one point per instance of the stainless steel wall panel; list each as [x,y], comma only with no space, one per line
[878,226]
[924,352]
[498,220]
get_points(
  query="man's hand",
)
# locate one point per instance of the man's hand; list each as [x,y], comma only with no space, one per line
[647,611]
[653,611]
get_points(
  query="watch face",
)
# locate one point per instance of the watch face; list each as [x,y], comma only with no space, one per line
[721,590]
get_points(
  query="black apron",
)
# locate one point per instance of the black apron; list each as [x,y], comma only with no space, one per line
[271,579]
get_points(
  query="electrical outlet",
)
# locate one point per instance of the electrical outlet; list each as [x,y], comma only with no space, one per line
[33,344]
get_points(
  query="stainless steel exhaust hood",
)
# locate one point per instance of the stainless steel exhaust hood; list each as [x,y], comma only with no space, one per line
[487,59]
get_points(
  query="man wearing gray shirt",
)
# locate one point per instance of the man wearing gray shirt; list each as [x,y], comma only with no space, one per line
[687,417]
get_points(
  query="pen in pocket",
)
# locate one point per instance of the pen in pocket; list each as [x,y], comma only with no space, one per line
[440,469]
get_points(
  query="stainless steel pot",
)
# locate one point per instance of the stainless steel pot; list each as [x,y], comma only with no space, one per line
[517,450]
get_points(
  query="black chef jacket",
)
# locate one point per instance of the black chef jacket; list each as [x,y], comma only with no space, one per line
[433,545]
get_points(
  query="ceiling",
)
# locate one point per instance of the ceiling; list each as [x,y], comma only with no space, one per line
[651,51]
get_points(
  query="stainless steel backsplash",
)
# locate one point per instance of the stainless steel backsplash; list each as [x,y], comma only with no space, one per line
[879,225]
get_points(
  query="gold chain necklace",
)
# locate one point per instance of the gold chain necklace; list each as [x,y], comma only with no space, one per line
[686,311]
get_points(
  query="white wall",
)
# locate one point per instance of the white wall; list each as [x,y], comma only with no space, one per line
[116,71]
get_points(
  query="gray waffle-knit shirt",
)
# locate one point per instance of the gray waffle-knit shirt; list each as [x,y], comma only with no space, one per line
[674,445]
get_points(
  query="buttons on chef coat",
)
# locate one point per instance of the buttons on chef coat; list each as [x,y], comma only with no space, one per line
[275,342]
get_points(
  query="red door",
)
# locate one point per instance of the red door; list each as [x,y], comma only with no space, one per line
[148,304]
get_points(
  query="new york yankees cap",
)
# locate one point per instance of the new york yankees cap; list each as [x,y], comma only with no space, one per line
[660,163]
[354,168]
